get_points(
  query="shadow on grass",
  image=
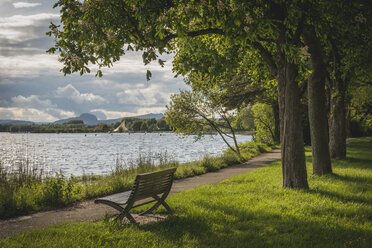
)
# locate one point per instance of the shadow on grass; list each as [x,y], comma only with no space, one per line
[350,179]
[343,198]
[356,186]
[243,228]
[363,163]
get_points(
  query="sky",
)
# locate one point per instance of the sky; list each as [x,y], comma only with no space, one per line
[32,87]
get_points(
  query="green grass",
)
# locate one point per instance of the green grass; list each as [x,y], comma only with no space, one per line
[249,210]
[28,192]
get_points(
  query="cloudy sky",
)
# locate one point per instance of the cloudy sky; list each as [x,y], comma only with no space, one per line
[32,87]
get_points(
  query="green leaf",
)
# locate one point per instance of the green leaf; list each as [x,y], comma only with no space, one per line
[161,62]
[148,75]
[99,73]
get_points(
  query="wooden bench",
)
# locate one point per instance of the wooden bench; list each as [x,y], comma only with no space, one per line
[147,188]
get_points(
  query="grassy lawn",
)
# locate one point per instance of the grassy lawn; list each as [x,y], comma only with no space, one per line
[250,210]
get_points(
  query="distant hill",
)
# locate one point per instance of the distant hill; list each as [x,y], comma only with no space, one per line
[88,119]
[147,116]
[150,116]
[16,122]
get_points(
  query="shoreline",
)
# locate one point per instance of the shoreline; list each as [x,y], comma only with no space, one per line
[35,193]
[88,211]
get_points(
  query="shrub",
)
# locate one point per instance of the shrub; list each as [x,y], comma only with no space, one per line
[56,191]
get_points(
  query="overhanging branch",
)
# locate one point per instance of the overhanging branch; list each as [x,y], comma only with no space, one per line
[267,57]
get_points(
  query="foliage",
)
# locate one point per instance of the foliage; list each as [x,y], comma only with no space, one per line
[199,113]
[361,111]
[264,123]
[77,122]
[146,125]
[136,126]
[249,210]
[29,190]
[244,119]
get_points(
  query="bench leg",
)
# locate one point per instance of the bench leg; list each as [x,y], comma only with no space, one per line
[125,213]
[156,205]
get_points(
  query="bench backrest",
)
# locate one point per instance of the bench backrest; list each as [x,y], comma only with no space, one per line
[154,183]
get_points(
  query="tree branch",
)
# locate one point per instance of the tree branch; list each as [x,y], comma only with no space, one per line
[267,126]
[267,57]
[233,133]
[219,131]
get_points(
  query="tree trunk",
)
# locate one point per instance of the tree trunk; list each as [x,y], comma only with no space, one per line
[348,122]
[337,123]
[292,145]
[291,139]
[275,106]
[317,106]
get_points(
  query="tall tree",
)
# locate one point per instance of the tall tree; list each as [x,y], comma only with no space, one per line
[317,104]
[344,33]
[99,31]
[349,52]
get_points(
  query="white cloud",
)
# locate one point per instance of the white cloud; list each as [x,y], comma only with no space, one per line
[132,96]
[18,5]
[32,101]
[24,21]
[148,110]
[26,114]
[11,34]
[70,92]
[132,63]
[60,113]
[32,108]
[144,97]
[29,66]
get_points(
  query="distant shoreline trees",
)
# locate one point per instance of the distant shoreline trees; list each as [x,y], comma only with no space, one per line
[78,126]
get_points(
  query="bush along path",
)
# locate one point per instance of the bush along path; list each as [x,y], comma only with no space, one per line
[88,211]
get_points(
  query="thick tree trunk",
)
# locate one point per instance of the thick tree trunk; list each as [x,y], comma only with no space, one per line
[337,123]
[317,106]
[291,139]
[292,145]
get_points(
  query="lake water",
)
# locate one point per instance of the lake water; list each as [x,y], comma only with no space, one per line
[91,153]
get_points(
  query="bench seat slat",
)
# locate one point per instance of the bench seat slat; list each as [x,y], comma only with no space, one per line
[119,198]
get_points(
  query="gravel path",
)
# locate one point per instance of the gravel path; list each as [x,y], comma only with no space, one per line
[88,211]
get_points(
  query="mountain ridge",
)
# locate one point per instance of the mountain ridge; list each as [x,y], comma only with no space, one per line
[88,118]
